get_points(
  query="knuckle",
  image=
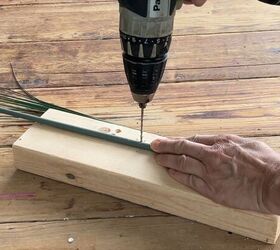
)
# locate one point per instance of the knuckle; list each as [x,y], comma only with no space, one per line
[193,138]
[202,152]
[237,148]
[216,148]
[181,162]
[259,144]
[230,137]
[254,144]
[179,145]
[234,150]
[191,181]
[215,153]
[220,139]
[225,138]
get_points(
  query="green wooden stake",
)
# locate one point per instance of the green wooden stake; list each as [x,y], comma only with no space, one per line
[78,130]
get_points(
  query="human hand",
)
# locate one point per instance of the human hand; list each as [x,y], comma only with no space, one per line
[195,2]
[230,170]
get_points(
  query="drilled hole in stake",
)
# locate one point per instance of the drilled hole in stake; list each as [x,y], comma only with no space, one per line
[70,176]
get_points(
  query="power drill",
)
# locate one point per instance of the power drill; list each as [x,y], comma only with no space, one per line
[145,30]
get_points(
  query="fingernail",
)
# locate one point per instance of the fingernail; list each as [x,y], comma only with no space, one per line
[155,145]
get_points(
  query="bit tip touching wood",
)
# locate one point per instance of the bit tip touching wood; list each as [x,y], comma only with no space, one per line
[142,107]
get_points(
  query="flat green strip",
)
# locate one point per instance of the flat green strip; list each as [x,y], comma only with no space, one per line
[20,103]
[78,130]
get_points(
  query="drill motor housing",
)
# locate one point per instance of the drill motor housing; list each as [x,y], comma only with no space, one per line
[145,30]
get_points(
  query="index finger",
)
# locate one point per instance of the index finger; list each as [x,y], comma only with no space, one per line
[179,147]
[213,139]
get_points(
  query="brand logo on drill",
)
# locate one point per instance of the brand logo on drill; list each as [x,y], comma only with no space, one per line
[159,8]
[157,5]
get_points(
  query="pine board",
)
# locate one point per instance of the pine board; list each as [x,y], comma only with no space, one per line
[27,197]
[126,173]
[33,36]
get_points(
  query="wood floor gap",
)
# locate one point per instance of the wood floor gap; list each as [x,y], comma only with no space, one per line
[120,71]
[117,38]
[54,3]
[163,82]
[88,219]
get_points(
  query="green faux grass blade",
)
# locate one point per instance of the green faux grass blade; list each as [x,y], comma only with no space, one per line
[26,106]
[22,109]
[47,105]
[78,130]
[53,106]
[24,103]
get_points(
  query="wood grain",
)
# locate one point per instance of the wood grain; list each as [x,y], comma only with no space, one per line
[245,107]
[31,79]
[160,233]
[127,173]
[26,197]
[67,65]
[224,55]
[52,200]
[99,20]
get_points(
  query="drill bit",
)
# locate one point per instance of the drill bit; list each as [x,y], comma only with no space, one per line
[142,107]
[142,121]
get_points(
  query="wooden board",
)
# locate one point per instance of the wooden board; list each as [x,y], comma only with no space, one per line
[25,197]
[46,40]
[126,173]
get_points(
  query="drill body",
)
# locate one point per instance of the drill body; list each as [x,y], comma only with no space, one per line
[145,30]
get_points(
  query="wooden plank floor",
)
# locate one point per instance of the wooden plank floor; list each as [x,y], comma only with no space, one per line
[223,76]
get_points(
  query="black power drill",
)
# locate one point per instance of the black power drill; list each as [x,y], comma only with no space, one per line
[145,31]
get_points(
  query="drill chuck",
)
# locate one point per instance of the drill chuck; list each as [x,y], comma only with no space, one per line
[144,76]
[145,31]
